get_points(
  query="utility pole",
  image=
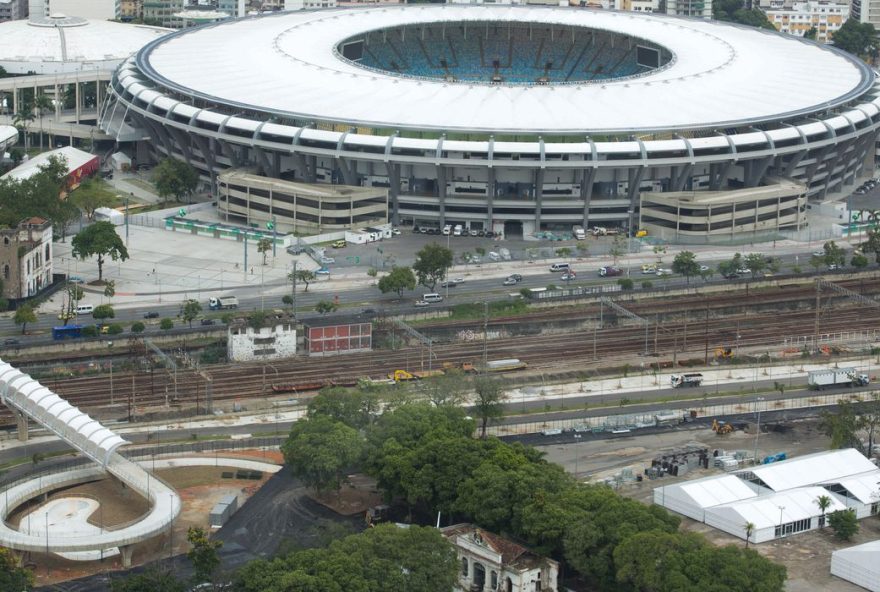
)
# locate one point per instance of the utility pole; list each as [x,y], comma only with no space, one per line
[245,254]
[293,292]
[485,337]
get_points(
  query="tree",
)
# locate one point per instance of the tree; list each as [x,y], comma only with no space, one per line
[706,274]
[99,240]
[137,327]
[302,275]
[685,263]
[618,248]
[380,559]
[859,261]
[859,39]
[756,263]
[626,284]
[489,402]
[42,105]
[449,388]
[102,312]
[16,155]
[190,311]
[354,408]
[90,196]
[659,251]
[319,450]
[110,289]
[811,34]
[325,307]
[400,279]
[24,314]
[13,577]
[166,324]
[834,254]
[431,264]
[749,528]
[264,245]
[203,553]
[824,502]
[257,319]
[151,580]
[872,245]
[23,119]
[844,523]
[175,178]
[734,11]
[731,266]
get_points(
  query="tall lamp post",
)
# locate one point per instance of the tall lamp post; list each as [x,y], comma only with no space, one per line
[758,402]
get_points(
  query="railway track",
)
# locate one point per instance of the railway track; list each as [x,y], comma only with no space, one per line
[582,351]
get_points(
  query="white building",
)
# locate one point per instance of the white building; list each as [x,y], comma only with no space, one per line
[246,344]
[866,11]
[825,17]
[26,258]
[779,499]
[694,8]
[308,4]
[859,565]
[492,563]
[13,10]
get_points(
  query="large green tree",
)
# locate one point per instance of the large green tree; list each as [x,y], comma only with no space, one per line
[24,314]
[190,311]
[99,240]
[175,178]
[432,262]
[202,554]
[353,407]
[859,39]
[735,11]
[489,401]
[91,195]
[844,523]
[103,312]
[400,279]
[685,263]
[151,580]
[382,559]
[13,577]
[319,450]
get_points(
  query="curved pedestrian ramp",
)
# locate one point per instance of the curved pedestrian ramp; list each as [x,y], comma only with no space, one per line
[28,399]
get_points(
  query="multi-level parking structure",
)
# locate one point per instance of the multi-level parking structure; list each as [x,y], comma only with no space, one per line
[507,118]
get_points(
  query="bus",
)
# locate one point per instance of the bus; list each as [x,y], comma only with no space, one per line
[66,332]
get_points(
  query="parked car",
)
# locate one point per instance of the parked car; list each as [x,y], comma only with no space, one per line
[833,267]
[704,268]
[473,232]
[323,271]
[447,229]
[151,315]
[731,275]
[493,256]
[75,279]
[327,260]
[421,303]
[395,232]
[818,253]
[489,234]
[649,269]
[341,243]
[207,321]
[11,341]
[744,271]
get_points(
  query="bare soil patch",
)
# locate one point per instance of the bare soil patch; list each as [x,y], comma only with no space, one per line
[358,493]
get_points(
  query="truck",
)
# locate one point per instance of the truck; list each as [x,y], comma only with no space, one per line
[819,379]
[683,380]
[222,302]
[579,233]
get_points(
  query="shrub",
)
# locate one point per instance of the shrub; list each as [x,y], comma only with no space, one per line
[89,331]
[138,327]
[647,285]
[625,283]
[166,324]
[114,329]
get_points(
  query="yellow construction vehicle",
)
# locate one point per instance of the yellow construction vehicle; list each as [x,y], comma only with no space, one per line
[723,353]
[721,427]
[401,375]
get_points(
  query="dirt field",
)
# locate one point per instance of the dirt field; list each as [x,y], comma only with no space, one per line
[806,556]
[357,495]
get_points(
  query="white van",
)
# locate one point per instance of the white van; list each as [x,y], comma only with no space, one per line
[447,229]
[432,298]
[457,230]
[84,309]
[560,267]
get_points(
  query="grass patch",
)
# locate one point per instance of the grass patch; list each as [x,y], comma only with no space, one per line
[145,185]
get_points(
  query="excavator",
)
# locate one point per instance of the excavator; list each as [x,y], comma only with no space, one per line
[721,427]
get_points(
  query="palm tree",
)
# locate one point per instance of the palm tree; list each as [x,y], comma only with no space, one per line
[750,530]
[42,104]
[824,502]
[23,119]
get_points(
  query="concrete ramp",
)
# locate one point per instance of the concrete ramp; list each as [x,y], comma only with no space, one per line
[29,399]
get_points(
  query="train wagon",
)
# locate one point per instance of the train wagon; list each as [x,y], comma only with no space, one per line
[505,365]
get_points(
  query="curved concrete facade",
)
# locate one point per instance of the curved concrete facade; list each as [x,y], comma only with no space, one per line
[516,181]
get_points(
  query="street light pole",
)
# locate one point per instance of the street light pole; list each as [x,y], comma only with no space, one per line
[758,428]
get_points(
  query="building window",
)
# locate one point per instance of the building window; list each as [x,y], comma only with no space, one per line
[6,272]
[464,567]
[48,252]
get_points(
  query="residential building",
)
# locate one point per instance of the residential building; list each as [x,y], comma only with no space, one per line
[638,5]
[308,4]
[694,8]
[13,10]
[102,10]
[825,17]
[26,258]
[131,9]
[491,562]
[866,11]
[161,12]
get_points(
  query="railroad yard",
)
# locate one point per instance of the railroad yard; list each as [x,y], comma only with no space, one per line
[565,341]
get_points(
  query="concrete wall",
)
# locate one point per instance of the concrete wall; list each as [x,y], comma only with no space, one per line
[244,344]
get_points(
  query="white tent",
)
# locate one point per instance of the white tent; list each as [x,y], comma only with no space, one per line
[120,161]
[821,467]
[773,516]
[693,498]
[859,565]
[115,217]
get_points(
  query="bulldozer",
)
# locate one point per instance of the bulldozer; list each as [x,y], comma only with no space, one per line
[721,427]
[723,353]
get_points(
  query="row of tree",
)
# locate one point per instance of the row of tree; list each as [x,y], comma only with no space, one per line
[431,266]
[425,455]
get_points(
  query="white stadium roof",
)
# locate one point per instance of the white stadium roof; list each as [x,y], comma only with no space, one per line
[721,75]
[68,44]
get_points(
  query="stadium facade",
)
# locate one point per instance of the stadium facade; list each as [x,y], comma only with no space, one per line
[507,118]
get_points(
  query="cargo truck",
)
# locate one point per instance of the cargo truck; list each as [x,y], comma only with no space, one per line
[819,379]
[579,233]
[682,380]
[222,302]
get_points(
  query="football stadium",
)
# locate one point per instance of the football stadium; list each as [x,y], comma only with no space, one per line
[510,119]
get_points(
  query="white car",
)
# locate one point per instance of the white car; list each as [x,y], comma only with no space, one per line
[395,232]
[663,271]
[818,253]
[570,275]
[704,268]
[327,260]
[744,271]
[421,303]
[447,229]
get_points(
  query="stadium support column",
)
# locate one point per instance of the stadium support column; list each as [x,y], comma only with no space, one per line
[77,100]
[393,170]
[490,197]
[589,176]
[634,182]
[441,192]
[539,194]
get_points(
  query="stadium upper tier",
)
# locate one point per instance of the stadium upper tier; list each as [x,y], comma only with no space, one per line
[290,66]
[510,53]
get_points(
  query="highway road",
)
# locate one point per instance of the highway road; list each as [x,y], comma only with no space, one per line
[368,298]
